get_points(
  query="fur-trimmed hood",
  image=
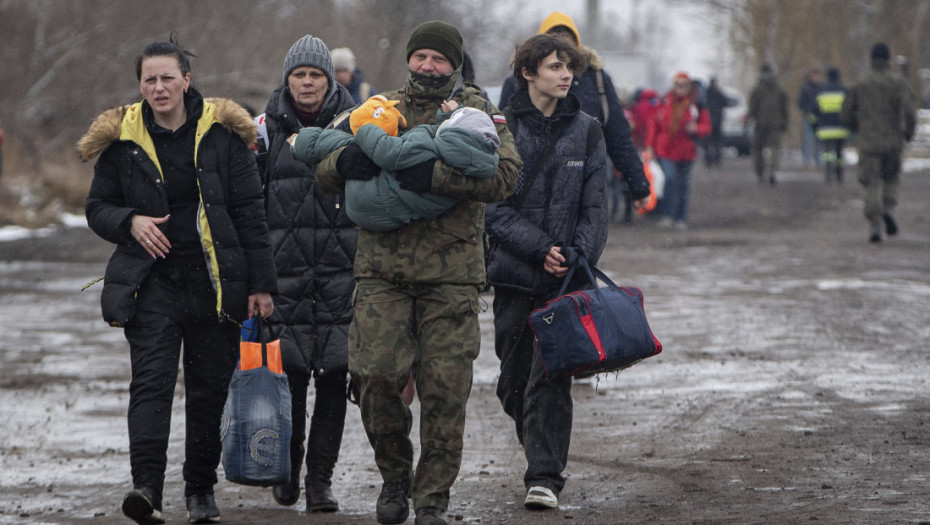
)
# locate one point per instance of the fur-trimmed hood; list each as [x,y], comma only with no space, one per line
[107,127]
[594,60]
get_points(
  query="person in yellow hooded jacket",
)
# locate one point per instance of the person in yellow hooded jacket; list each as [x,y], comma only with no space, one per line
[595,89]
[177,190]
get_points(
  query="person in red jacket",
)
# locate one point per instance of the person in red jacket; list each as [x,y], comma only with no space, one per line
[670,138]
[643,111]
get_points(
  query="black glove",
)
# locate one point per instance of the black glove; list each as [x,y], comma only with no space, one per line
[353,164]
[417,178]
[639,189]
[571,256]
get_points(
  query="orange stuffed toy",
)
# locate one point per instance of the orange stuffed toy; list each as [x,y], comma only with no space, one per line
[379,111]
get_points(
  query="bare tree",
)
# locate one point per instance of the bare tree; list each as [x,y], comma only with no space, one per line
[795,35]
[65,62]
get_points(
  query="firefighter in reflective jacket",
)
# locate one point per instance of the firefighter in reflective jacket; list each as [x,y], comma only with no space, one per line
[828,127]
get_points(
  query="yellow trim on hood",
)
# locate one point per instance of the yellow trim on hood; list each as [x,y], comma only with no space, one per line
[132,128]
[556,19]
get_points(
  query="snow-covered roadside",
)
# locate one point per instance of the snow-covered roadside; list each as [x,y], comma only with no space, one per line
[68,220]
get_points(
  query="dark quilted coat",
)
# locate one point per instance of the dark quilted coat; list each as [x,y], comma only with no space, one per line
[314,245]
[565,205]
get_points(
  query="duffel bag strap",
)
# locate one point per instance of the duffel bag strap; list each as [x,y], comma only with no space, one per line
[593,275]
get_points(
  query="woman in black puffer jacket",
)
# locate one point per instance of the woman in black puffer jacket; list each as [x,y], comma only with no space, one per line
[314,245]
[176,189]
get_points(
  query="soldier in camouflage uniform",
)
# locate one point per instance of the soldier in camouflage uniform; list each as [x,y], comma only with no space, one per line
[417,290]
[881,109]
[768,109]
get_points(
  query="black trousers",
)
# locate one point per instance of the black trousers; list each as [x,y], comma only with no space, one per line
[326,423]
[541,410]
[712,152]
[177,306]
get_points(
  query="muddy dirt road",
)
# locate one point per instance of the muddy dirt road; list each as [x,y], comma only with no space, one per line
[793,387]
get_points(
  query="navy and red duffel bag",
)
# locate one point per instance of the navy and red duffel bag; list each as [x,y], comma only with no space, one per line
[592,331]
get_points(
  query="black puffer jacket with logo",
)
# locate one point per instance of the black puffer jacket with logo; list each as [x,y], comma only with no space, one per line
[565,203]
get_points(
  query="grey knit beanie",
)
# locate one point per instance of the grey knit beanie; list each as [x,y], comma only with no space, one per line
[309,51]
[343,58]
[473,120]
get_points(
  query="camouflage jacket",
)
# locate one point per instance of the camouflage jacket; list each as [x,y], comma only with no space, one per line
[881,109]
[448,249]
[768,105]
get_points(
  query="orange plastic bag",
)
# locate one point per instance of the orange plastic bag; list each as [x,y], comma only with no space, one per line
[250,356]
[656,178]
[250,352]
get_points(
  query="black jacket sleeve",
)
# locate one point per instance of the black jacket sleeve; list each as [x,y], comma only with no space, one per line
[619,141]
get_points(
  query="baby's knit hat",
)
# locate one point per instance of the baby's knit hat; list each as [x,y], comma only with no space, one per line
[378,111]
[473,120]
[309,51]
[343,58]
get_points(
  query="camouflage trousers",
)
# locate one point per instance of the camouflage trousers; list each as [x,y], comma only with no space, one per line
[766,144]
[438,326]
[879,175]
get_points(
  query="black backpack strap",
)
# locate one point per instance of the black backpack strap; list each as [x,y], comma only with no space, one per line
[602,94]
[594,134]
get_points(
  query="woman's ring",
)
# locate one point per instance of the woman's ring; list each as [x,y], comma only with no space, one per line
[148,242]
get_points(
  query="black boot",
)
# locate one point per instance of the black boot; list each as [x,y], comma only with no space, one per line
[288,493]
[201,508]
[322,453]
[143,505]
[891,226]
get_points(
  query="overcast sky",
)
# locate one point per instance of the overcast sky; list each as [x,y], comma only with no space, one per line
[689,46]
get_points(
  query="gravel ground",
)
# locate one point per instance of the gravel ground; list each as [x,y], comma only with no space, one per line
[792,388]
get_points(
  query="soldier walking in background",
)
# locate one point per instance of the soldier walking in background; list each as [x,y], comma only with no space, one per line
[881,109]
[768,108]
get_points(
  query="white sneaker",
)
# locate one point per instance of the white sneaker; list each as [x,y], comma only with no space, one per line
[665,223]
[540,498]
[681,226]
